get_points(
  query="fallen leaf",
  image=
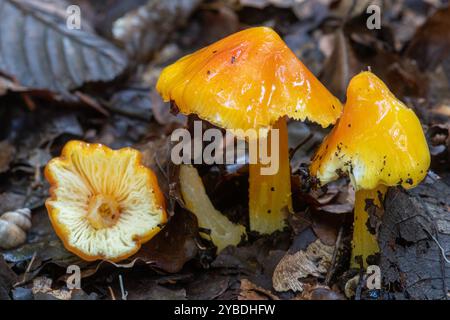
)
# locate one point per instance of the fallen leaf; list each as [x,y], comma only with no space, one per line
[42,53]
[207,286]
[293,267]
[145,29]
[172,247]
[414,238]
[250,291]
[431,42]
[318,292]
[7,154]
[7,279]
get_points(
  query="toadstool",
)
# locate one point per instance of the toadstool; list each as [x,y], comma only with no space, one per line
[378,142]
[104,203]
[252,80]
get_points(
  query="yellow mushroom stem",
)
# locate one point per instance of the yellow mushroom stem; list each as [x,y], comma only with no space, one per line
[270,195]
[365,242]
[223,232]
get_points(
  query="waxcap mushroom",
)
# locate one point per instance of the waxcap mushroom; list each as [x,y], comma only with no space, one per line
[379,143]
[247,80]
[104,203]
[248,83]
[377,140]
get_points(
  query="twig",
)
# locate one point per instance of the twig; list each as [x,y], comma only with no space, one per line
[113,297]
[24,278]
[330,272]
[122,289]
[298,146]
[444,254]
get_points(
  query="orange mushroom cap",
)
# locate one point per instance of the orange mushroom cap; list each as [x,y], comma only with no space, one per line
[247,81]
[104,203]
[377,141]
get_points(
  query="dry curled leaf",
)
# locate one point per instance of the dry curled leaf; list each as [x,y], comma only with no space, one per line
[314,261]
[38,49]
[250,291]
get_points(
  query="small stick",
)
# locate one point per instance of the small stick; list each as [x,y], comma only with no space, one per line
[122,289]
[298,146]
[24,280]
[113,297]
[333,260]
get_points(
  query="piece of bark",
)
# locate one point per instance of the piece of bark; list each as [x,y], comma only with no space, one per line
[415,241]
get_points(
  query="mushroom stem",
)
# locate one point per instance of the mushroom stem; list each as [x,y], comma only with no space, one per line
[365,242]
[270,195]
[223,231]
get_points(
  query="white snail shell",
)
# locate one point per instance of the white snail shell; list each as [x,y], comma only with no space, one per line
[13,228]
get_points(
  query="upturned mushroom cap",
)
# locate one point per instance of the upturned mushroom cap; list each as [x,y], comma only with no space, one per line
[104,204]
[377,140]
[247,81]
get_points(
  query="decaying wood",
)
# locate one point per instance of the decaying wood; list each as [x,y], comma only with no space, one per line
[413,235]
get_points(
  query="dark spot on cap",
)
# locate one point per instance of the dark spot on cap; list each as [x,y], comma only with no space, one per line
[272,189]
[208,72]
[349,125]
[409,181]
[215,51]
[333,106]
[233,59]
[269,211]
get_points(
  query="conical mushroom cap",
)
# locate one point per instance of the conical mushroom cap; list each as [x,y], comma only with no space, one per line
[377,140]
[104,203]
[247,81]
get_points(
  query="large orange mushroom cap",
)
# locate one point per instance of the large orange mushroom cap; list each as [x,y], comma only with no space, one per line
[378,140]
[104,203]
[247,81]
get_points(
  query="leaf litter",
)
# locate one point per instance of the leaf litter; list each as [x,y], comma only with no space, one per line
[107,95]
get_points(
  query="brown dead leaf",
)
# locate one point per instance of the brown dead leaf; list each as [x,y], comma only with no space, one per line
[314,261]
[250,291]
[7,153]
[7,279]
[173,246]
[318,292]
[431,43]
[340,67]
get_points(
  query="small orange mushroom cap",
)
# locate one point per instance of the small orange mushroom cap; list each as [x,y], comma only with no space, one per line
[377,140]
[104,203]
[247,81]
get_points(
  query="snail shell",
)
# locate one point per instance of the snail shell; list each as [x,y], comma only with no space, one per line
[13,228]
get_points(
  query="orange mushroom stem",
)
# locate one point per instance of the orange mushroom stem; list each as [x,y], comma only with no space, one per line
[378,142]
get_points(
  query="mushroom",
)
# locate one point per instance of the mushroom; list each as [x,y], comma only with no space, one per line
[252,80]
[223,231]
[104,203]
[378,142]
